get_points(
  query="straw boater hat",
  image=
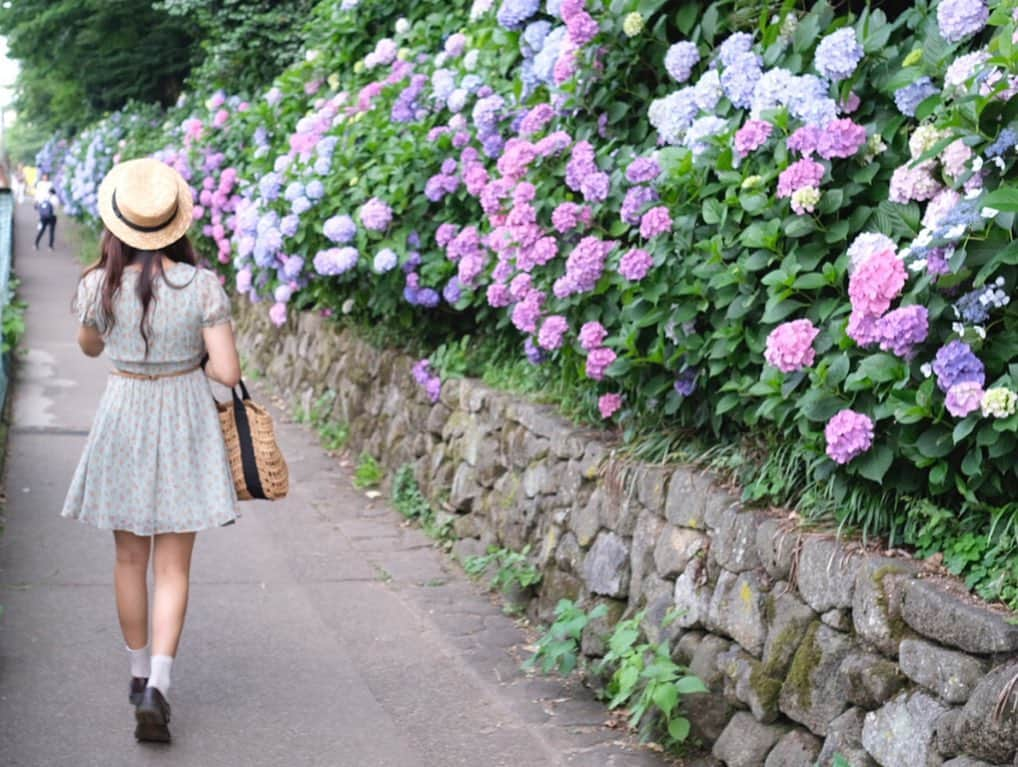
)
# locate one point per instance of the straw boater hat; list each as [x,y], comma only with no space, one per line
[145,203]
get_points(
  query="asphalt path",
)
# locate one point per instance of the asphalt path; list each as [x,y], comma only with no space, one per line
[321,629]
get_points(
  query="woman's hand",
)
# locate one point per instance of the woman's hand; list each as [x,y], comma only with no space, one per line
[90,341]
[224,362]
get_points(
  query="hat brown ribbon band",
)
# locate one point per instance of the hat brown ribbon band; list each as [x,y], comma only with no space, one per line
[138,227]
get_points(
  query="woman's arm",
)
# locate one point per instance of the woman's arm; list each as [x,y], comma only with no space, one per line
[224,362]
[90,341]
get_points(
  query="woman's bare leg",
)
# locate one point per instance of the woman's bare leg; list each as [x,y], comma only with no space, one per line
[131,585]
[172,569]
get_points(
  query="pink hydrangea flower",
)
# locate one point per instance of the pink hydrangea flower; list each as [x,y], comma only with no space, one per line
[955,158]
[804,172]
[278,314]
[655,221]
[569,215]
[916,183]
[863,329]
[878,281]
[592,335]
[840,138]
[790,345]
[848,435]
[609,404]
[221,117]
[553,330]
[635,264]
[804,140]
[964,398]
[752,136]
[598,362]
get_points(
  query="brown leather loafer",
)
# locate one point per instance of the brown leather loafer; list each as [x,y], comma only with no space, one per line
[137,688]
[152,715]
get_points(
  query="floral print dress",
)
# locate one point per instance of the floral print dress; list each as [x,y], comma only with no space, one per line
[155,461]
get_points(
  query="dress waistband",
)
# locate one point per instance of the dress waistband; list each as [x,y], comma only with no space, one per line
[153,376]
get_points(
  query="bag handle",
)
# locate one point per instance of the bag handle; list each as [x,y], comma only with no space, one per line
[247,455]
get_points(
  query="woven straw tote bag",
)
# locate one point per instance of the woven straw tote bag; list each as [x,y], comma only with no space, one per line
[258,467]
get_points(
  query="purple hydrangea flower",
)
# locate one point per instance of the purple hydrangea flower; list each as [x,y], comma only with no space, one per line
[453,291]
[955,362]
[534,353]
[848,435]
[901,330]
[685,382]
[642,170]
[376,215]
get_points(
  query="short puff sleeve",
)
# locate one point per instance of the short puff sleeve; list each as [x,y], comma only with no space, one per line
[87,302]
[214,303]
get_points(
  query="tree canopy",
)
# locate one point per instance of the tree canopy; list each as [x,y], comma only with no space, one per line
[245,43]
[81,58]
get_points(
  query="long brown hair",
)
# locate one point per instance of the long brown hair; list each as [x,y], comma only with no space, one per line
[115,255]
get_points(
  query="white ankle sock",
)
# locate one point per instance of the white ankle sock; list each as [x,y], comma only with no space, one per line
[140,662]
[160,677]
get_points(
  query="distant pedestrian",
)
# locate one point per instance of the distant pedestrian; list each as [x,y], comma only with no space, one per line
[155,468]
[47,209]
[42,187]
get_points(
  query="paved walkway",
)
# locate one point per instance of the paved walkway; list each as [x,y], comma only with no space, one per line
[320,630]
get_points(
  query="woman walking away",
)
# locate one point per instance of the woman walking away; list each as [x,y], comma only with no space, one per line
[47,208]
[154,468]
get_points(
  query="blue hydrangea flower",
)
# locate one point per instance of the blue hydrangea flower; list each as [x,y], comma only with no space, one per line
[958,19]
[322,166]
[672,115]
[907,99]
[270,186]
[736,45]
[340,229]
[707,92]
[315,190]
[1007,140]
[301,205]
[703,129]
[838,55]
[740,77]
[772,90]
[293,267]
[385,261]
[680,60]
[289,225]
[533,37]
[294,190]
[544,61]
[513,14]
[808,100]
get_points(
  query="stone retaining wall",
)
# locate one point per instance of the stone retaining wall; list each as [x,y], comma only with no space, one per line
[810,646]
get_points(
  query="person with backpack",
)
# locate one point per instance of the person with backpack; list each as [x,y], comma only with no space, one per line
[47,208]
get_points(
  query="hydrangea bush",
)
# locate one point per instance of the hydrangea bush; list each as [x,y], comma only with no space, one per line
[793,228]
